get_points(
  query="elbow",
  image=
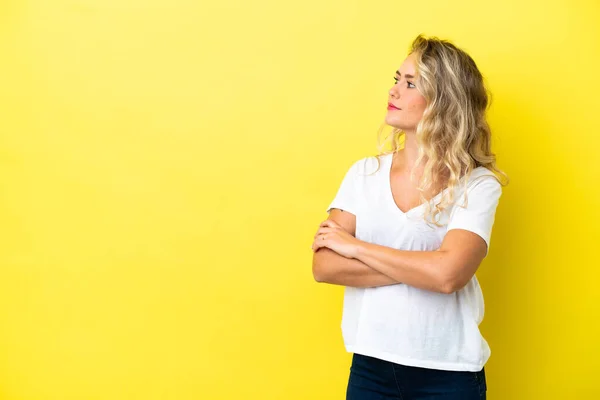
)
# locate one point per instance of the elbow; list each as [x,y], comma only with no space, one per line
[451,285]
[320,276]
[448,287]
[451,277]
[319,273]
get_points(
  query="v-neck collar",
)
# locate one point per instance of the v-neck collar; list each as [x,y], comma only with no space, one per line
[390,195]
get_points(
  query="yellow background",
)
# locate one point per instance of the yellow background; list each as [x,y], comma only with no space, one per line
[165,164]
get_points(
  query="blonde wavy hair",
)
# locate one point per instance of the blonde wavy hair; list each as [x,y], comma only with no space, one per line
[453,133]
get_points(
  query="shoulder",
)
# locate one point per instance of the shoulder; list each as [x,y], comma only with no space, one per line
[369,165]
[482,174]
[483,182]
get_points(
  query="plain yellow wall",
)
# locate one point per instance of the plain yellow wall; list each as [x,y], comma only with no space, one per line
[165,164]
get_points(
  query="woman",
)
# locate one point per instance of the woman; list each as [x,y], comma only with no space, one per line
[406,252]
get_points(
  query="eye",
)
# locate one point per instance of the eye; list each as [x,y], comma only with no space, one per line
[408,83]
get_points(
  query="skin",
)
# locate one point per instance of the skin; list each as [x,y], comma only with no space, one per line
[342,259]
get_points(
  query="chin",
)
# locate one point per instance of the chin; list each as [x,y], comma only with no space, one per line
[394,123]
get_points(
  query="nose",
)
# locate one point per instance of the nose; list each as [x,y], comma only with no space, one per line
[394,93]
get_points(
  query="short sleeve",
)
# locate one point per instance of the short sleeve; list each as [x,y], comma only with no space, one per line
[346,197]
[479,214]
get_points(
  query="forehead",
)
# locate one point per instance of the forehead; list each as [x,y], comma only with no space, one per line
[408,66]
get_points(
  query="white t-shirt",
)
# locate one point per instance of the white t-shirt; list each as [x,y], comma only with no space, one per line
[401,323]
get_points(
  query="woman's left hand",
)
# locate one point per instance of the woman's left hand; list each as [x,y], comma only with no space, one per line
[334,237]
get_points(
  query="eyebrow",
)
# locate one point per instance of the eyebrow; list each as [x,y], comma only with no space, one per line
[408,76]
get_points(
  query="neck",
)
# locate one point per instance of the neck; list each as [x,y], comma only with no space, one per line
[409,154]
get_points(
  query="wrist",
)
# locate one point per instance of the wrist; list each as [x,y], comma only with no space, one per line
[360,249]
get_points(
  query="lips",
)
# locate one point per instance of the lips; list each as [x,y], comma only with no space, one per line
[392,107]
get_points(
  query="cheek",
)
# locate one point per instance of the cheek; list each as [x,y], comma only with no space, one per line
[417,105]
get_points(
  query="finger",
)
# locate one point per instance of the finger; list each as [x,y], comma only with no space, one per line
[319,239]
[323,230]
[318,244]
[314,243]
[329,222]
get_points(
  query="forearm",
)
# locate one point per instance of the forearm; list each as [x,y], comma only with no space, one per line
[330,267]
[421,269]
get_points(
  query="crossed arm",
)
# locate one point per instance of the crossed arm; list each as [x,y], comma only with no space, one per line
[445,270]
[330,267]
